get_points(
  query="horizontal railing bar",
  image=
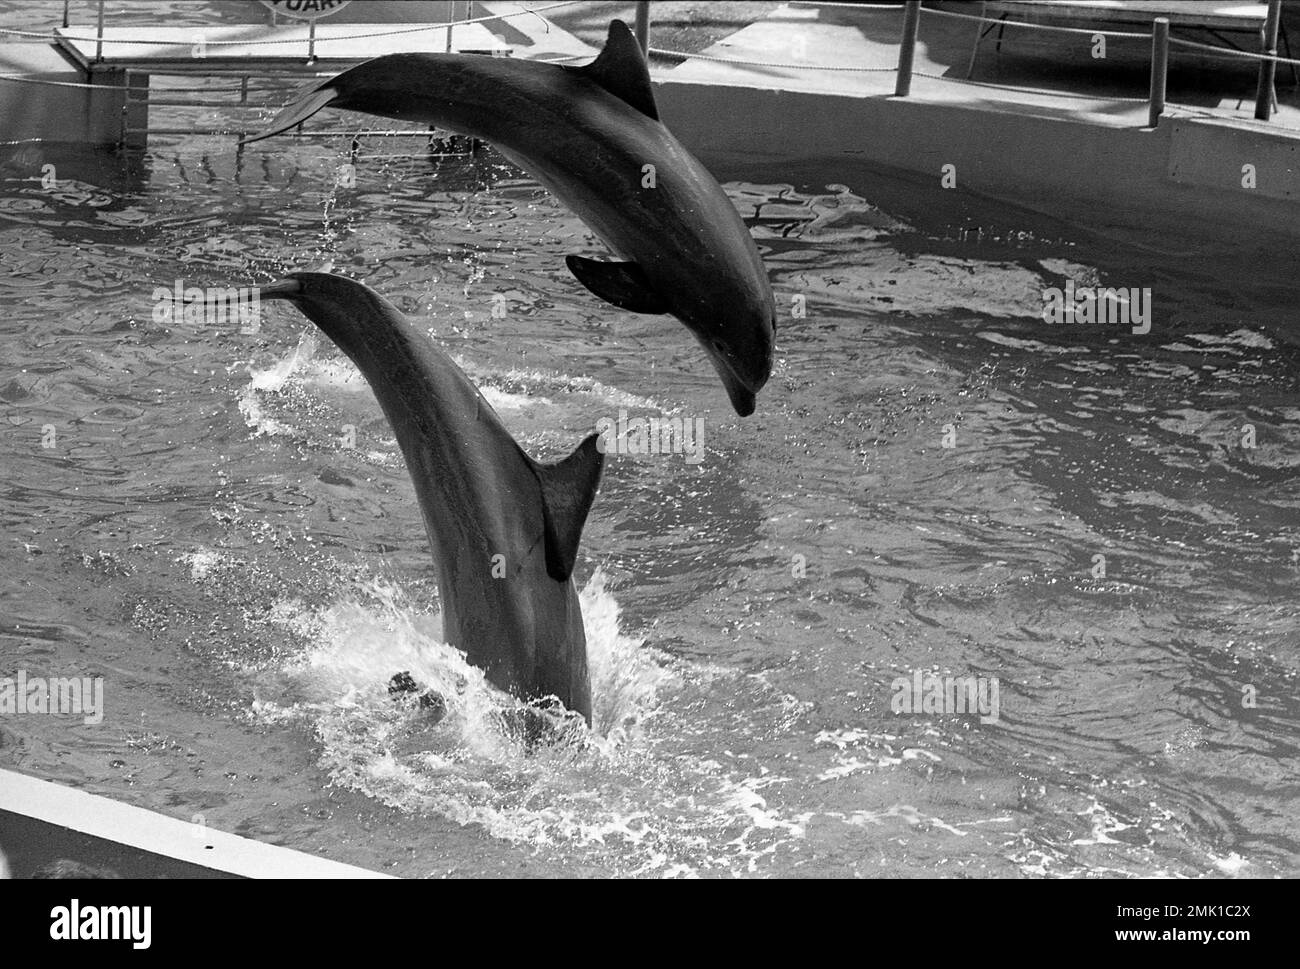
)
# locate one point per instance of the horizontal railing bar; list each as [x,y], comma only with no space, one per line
[304,134]
[246,105]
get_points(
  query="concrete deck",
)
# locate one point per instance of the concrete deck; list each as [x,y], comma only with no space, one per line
[1054,75]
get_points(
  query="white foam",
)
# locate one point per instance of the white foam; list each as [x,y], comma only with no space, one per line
[337,373]
[851,736]
[844,766]
[387,749]
[504,401]
[906,813]
[201,563]
[274,377]
[1237,338]
[555,384]
[1104,824]
[270,380]
[1232,864]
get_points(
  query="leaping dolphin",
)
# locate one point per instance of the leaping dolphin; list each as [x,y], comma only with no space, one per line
[592,136]
[504,529]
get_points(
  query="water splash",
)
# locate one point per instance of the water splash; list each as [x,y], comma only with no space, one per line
[471,765]
[272,380]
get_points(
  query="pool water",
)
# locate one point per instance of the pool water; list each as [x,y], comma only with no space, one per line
[936,481]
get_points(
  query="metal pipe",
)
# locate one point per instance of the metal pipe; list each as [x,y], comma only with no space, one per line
[65,13]
[907,53]
[311,41]
[1159,68]
[1268,69]
[642,28]
[244,133]
[99,35]
[169,103]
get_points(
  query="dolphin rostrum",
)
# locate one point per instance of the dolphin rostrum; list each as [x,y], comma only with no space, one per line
[592,136]
[504,529]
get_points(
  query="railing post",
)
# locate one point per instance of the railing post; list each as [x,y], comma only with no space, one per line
[1159,68]
[907,53]
[1268,69]
[99,35]
[643,26]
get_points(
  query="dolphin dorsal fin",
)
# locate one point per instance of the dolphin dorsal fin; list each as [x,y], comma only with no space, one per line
[621,70]
[568,490]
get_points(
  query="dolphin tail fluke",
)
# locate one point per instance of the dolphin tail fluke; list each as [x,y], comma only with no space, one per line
[296,113]
[568,490]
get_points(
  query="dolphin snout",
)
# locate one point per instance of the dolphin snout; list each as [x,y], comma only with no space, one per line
[744,400]
[742,389]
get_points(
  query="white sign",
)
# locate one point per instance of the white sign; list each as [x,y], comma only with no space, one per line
[306,9]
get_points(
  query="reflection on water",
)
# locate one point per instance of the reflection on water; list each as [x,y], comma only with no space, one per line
[220,524]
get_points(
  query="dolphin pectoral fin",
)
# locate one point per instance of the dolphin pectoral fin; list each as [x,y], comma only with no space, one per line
[622,284]
[296,113]
[621,70]
[568,490]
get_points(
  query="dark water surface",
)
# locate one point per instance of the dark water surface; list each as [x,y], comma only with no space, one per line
[202,534]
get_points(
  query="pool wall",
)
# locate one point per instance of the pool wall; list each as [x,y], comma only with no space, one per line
[1188,173]
[51,112]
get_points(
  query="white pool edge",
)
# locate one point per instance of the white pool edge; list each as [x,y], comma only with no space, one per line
[195,844]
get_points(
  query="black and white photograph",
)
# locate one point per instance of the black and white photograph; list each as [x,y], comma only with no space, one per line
[650,441]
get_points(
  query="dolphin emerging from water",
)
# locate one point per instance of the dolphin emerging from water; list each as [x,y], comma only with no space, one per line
[504,529]
[592,136]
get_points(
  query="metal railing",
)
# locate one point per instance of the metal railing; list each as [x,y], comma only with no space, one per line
[1268,68]
[1161,42]
[139,93]
[462,13]
[1159,69]
[642,28]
